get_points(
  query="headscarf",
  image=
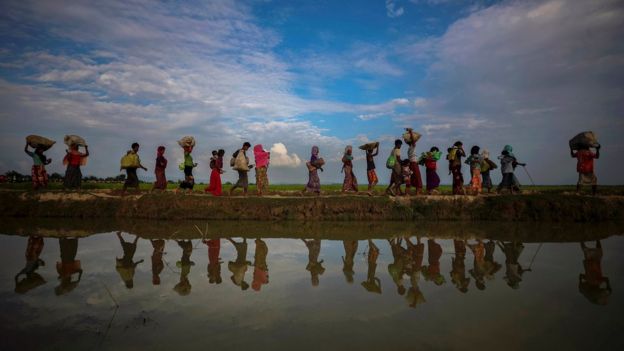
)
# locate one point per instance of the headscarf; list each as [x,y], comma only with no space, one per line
[485,153]
[261,156]
[509,149]
[160,151]
[346,153]
[315,152]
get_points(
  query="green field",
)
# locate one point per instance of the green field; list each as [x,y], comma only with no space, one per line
[326,188]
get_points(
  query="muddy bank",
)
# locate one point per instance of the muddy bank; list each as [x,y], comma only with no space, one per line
[343,230]
[525,208]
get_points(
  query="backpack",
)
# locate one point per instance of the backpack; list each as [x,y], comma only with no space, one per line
[233,159]
[391,161]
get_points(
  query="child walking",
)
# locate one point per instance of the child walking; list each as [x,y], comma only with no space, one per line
[371,174]
[474,160]
[406,173]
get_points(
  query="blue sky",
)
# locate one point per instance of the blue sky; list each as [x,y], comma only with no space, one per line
[291,74]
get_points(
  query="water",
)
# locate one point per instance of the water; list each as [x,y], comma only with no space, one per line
[310,297]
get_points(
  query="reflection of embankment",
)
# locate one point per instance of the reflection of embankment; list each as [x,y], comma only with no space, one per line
[524,232]
[531,207]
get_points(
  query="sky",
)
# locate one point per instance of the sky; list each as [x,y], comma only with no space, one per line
[292,74]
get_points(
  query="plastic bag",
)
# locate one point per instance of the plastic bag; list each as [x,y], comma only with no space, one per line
[391,161]
[36,141]
[130,160]
[70,140]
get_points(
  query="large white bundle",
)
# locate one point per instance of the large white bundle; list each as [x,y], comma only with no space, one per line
[408,135]
[370,146]
[36,141]
[70,140]
[584,139]
[187,141]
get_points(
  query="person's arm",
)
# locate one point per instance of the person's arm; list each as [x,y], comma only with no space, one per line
[598,152]
[572,153]
[86,154]
[26,150]
[376,151]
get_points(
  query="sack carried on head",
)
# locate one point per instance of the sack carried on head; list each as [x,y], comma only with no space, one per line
[369,146]
[187,141]
[584,140]
[411,136]
[70,140]
[130,160]
[36,141]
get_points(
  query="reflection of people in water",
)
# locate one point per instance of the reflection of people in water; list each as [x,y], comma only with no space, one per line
[396,269]
[184,285]
[591,283]
[125,265]
[315,267]
[478,271]
[432,272]
[32,279]
[157,260]
[214,261]
[261,269]
[68,266]
[350,247]
[514,271]
[415,254]
[491,266]
[239,267]
[372,283]
[458,273]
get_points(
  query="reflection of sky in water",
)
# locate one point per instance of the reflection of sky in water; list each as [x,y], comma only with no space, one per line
[546,311]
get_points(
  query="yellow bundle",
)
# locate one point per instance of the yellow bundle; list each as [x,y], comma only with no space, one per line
[130,160]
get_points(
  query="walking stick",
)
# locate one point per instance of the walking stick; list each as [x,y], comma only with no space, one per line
[527,172]
[536,252]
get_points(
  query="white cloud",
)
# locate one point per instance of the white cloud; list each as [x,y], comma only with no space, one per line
[281,158]
[392,10]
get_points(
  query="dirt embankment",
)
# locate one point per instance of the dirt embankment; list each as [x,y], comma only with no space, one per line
[533,207]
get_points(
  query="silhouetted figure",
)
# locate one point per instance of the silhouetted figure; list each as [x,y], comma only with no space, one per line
[415,254]
[126,266]
[157,260]
[396,269]
[350,247]
[261,269]
[593,285]
[372,283]
[214,261]
[315,267]
[32,279]
[478,270]
[514,271]
[432,272]
[184,285]
[239,267]
[458,272]
[68,266]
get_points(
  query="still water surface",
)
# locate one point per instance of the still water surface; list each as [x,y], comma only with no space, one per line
[116,290]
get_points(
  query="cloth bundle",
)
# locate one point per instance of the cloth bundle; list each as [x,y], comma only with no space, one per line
[36,141]
[70,140]
[187,141]
[584,139]
[130,160]
[409,135]
[369,146]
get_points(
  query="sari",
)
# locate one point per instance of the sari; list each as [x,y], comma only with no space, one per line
[314,183]
[350,181]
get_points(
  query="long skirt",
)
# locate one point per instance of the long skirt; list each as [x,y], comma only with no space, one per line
[161,179]
[39,177]
[507,182]
[73,177]
[314,183]
[433,180]
[475,181]
[458,180]
[262,180]
[132,180]
[350,181]
[416,179]
[215,187]
[487,180]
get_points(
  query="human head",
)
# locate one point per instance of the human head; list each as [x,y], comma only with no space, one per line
[315,150]
[246,145]
[458,144]
[434,149]
[398,143]
[405,162]
[505,153]
[74,147]
[135,147]
[348,150]
[401,290]
[188,149]
[475,150]
[221,152]
[214,152]
[485,153]
[160,150]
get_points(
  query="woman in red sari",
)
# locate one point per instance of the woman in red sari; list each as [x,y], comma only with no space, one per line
[215,187]
[159,170]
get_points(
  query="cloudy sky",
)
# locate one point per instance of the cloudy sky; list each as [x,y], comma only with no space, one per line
[291,74]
